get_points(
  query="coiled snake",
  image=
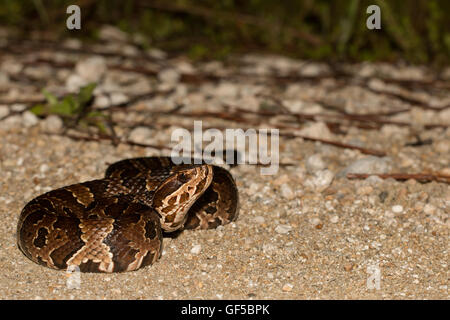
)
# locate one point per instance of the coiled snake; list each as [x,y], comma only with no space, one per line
[116,223]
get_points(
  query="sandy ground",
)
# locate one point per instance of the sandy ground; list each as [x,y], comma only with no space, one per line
[306,232]
[333,237]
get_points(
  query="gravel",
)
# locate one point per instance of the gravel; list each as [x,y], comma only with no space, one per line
[306,232]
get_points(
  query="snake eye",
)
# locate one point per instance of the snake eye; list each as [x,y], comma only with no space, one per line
[183,178]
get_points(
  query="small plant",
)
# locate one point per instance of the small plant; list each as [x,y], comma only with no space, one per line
[74,109]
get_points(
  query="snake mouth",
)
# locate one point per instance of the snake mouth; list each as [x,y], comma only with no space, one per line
[175,196]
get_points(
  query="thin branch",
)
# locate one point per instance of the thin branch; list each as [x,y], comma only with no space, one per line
[421,177]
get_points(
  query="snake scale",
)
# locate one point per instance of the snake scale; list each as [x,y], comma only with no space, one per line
[116,223]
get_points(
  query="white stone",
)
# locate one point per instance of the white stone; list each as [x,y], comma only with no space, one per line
[254,187]
[226,89]
[196,249]
[4,111]
[286,192]
[317,130]
[141,134]
[397,209]
[321,180]
[102,101]
[156,53]
[111,33]
[283,229]
[373,180]
[18,107]
[118,98]
[370,164]
[287,287]
[73,43]
[29,119]
[52,123]
[259,219]
[91,69]
[314,163]
[315,221]
[170,76]
[429,208]
[12,122]
[334,219]
[74,82]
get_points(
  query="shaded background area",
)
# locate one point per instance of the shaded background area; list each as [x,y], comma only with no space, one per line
[415,31]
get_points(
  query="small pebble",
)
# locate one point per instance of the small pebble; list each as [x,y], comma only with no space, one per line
[91,69]
[52,124]
[253,189]
[170,76]
[315,221]
[334,219]
[321,180]
[29,119]
[287,287]
[196,249]
[226,89]
[317,129]
[286,192]
[314,163]
[283,229]
[111,33]
[118,98]
[4,111]
[365,190]
[397,209]
[43,168]
[429,208]
[141,135]
[370,164]
[259,219]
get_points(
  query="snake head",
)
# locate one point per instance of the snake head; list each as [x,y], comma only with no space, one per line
[175,196]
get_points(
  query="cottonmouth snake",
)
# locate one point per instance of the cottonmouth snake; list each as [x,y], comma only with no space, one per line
[116,223]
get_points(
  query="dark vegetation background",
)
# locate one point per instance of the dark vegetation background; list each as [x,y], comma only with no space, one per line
[415,31]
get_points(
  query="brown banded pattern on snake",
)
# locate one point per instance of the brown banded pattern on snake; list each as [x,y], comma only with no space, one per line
[116,223]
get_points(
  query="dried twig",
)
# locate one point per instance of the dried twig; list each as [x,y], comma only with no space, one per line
[421,177]
[374,152]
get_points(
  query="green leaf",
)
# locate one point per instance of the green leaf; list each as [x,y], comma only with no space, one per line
[94,114]
[67,107]
[38,109]
[51,99]
[85,94]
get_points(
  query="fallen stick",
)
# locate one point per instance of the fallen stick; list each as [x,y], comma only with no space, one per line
[421,177]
